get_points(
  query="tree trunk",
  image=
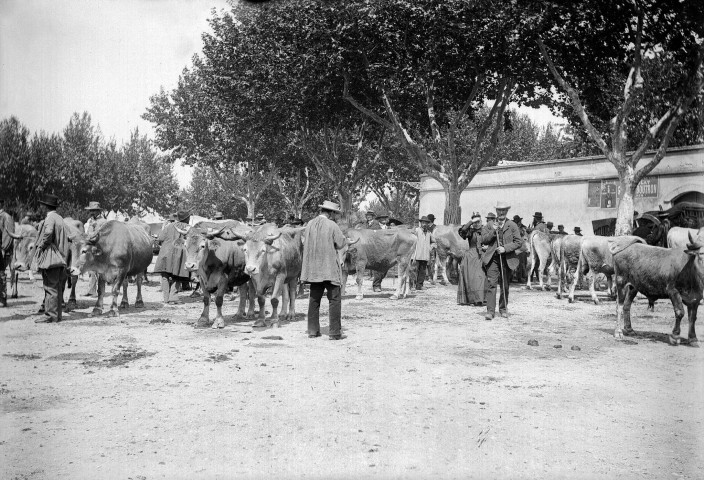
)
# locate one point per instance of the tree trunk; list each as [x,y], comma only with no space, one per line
[250,209]
[453,211]
[346,206]
[624,217]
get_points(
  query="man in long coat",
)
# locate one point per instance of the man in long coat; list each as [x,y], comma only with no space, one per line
[502,238]
[7,224]
[52,253]
[95,220]
[171,262]
[424,245]
[322,238]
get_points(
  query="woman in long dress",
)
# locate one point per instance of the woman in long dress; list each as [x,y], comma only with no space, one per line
[470,290]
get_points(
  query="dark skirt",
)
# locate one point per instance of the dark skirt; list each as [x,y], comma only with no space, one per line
[470,290]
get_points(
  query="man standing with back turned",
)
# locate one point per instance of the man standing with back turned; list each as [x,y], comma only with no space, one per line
[502,239]
[321,268]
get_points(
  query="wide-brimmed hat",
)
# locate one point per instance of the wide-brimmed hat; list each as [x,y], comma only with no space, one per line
[491,215]
[560,226]
[183,215]
[49,200]
[218,216]
[517,219]
[538,215]
[330,206]
[370,212]
[383,215]
[424,219]
[94,206]
[431,217]
[577,229]
[500,205]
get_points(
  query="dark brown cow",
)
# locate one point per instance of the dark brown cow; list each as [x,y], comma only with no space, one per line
[117,250]
[658,272]
[380,250]
[219,265]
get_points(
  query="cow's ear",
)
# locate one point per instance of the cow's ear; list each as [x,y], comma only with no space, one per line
[240,243]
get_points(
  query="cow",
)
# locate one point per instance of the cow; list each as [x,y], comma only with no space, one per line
[380,250]
[450,250]
[570,247]
[677,237]
[540,255]
[658,272]
[220,265]
[117,250]
[24,240]
[273,260]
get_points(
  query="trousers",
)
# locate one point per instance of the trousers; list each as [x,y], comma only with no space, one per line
[422,270]
[169,287]
[493,279]
[54,280]
[3,279]
[335,307]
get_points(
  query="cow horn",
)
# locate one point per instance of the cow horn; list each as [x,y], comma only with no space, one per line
[352,242]
[272,236]
[182,231]
[13,235]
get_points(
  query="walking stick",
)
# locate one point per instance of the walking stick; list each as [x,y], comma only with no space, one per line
[503,278]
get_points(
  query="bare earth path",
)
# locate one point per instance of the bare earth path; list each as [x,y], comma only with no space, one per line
[419,388]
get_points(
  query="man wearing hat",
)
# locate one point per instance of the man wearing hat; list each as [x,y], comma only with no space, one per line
[490,218]
[522,270]
[538,223]
[322,238]
[383,221]
[218,216]
[424,245]
[95,220]
[51,254]
[259,220]
[502,238]
[372,222]
[172,258]
[7,226]
[578,231]
[561,230]
[433,254]
[549,226]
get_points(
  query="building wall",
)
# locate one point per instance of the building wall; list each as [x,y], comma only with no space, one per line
[560,189]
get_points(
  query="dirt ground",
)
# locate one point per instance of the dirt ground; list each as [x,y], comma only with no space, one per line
[419,388]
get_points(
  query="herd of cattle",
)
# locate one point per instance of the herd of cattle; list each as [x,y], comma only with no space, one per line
[266,260]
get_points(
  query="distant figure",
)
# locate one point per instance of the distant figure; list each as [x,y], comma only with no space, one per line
[372,223]
[561,230]
[578,231]
[218,216]
[260,219]
[521,272]
[383,221]
[538,223]
[322,238]
[470,289]
[549,227]
[96,219]
[7,224]
[425,244]
[172,258]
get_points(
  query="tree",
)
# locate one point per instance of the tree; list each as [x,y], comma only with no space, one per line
[600,42]
[16,175]
[432,67]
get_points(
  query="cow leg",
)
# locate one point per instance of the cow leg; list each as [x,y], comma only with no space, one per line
[402,287]
[360,281]
[276,292]
[580,269]
[561,277]
[244,292]
[531,257]
[629,294]
[98,308]
[679,313]
[139,303]
[115,292]
[14,277]
[592,291]
[204,319]
[292,300]
[125,300]
[261,320]
[609,286]
[444,266]
[251,297]
[219,321]
[620,297]
[71,304]
[692,317]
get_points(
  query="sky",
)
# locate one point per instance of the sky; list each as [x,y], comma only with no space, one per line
[105,57]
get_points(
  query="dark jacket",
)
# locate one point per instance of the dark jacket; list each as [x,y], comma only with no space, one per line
[510,239]
[172,255]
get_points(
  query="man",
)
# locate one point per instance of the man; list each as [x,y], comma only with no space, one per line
[490,218]
[383,221]
[172,258]
[218,216]
[433,253]
[372,223]
[51,254]
[538,223]
[260,219]
[522,270]
[578,231]
[96,219]
[561,230]
[424,245]
[7,224]
[502,238]
[394,222]
[549,227]
[320,268]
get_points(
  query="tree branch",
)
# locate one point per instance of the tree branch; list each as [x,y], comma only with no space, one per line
[364,110]
[631,92]
[576,103]
[434,129]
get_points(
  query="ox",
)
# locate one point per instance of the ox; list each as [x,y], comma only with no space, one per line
[379,250]
[273,260]
[117,250]
[24,240]
[658,272]
[449,252]
[219,265]
[677,237]
[540,249]
[594,257]
[570,247]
